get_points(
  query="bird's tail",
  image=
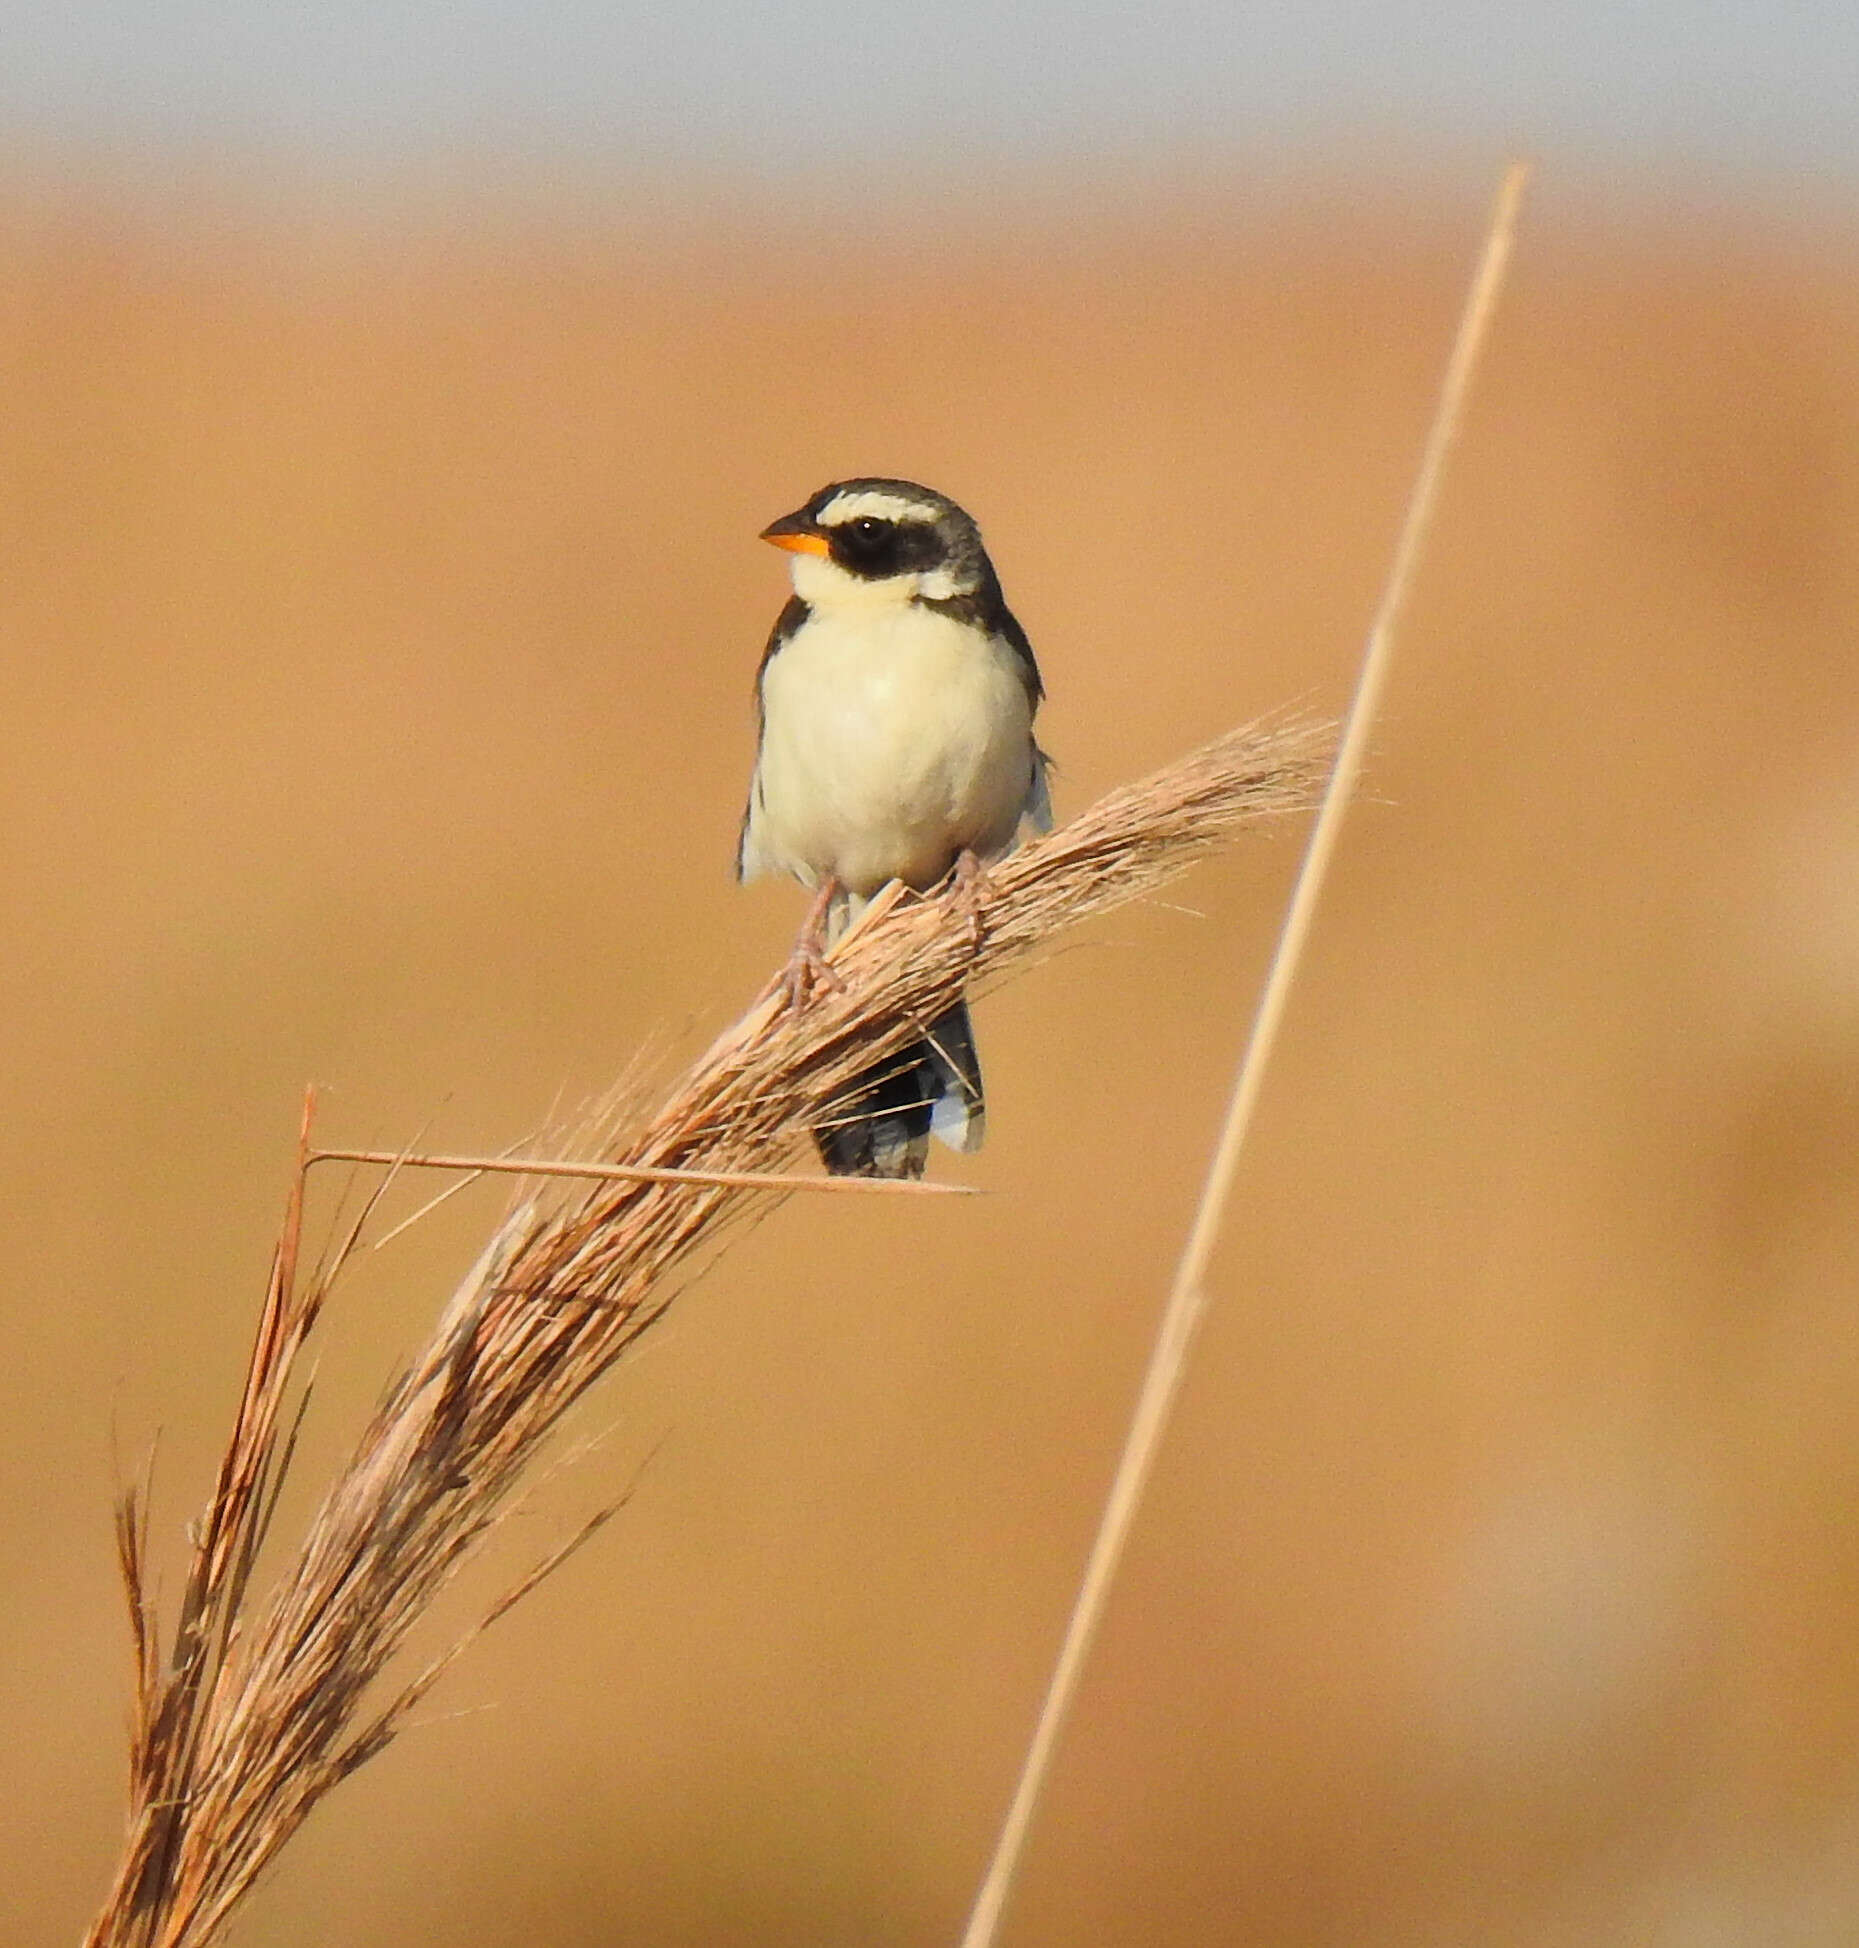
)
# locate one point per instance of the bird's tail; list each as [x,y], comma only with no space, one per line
[882,1125]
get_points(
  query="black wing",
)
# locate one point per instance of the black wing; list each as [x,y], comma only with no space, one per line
[1007,628]
[786,623]
[793,614]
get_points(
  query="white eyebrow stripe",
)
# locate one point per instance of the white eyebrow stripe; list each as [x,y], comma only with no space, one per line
[881,506]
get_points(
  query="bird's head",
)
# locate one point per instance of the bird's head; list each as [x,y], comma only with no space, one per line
[876,541]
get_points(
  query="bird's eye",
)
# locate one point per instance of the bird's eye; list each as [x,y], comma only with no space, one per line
[868,545]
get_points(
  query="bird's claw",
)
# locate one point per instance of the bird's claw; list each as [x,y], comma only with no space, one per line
[807,967]
[808,971]
[969,891]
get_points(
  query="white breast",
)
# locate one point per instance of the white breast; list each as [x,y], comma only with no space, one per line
[892,737]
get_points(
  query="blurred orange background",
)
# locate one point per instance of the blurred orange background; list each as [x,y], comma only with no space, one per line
[379,612]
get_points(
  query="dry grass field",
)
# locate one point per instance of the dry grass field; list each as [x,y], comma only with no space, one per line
[377,615]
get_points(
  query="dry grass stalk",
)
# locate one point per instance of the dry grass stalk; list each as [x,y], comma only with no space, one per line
[259,1708]
[626,1173]
[1188,1294]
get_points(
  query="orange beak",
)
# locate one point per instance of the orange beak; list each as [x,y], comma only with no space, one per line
[797,534]
[800,544]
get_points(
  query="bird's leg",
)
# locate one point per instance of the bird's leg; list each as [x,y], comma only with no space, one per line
[969,889]
[807,966]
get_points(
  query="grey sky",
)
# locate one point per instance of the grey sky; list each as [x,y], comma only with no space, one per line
[948,86]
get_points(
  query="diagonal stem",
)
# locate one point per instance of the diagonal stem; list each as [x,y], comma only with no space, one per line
[1187,1298]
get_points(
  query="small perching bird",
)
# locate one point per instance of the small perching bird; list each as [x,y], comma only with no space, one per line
[895,706]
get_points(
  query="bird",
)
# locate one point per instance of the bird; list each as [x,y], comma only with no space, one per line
[894,709]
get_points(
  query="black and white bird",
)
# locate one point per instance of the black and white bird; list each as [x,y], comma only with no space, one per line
[895,707]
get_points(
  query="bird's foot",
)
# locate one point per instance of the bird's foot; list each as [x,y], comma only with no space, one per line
[808,971]
[807,968]
[970,889]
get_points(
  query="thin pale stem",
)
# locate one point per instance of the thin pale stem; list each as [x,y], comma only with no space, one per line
[1187,1298]
[634,1173]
